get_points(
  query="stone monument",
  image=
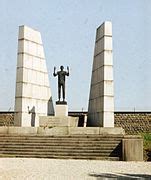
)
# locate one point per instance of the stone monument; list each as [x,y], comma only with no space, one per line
[101,99]
[33,103]
[33,96]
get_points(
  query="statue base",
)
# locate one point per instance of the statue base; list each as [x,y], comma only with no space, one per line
[61,102]
[61,109]
[54,121]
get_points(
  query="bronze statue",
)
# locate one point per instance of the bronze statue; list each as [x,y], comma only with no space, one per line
[61,81]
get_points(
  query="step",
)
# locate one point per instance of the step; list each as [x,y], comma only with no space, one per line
[56,150]
[61,153]
[61,157]
[57,147]
[62,142]
[61,147]
[58,139]
[63,136]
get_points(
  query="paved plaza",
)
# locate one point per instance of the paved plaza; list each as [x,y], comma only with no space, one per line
[43,169]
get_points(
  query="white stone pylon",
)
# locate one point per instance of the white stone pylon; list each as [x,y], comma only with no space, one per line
[101,99]
[33,95]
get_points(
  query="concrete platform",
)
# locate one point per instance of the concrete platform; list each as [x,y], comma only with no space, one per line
[51,131]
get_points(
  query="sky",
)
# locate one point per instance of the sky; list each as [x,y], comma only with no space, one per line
[68,30]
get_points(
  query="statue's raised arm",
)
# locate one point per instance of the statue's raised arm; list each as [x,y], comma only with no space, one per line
[54,72]
[67,70]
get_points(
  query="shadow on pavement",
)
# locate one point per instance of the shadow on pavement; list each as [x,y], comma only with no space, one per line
[105,176]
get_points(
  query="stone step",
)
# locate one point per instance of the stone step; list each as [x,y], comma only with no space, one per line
[70,147]
[60,141]
[22,149]
[60,157]
[70,153]
[63,136]
[64,146]
[60,138]
[111,143]
[80,143]
[58,147]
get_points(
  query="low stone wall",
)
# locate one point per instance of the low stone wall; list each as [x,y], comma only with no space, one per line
[131,122]
[6,118]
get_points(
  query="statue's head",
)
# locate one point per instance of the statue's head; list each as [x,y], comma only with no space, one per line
[61,67]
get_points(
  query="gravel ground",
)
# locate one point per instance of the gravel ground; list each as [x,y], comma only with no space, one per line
[43,169]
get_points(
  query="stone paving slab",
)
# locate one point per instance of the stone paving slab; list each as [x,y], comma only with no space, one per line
[43,169]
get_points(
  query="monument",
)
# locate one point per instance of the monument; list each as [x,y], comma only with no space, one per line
[33,104]
[33,95]
[101,98]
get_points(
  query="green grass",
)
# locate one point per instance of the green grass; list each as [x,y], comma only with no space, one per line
[147,146]
[147,140]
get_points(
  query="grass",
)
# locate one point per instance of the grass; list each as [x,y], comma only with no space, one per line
[147,146]
[147,140]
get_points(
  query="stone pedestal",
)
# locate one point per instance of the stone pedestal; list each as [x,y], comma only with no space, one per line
[61,118]
[58,121]
[61,110]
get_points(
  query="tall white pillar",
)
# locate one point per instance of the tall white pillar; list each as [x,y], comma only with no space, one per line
[101,99]
[33,96]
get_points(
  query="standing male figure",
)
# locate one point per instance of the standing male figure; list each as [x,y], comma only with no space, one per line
[61,81]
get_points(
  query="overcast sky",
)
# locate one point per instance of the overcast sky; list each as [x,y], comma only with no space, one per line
[68,30]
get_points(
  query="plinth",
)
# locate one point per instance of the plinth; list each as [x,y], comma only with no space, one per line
[61,108]
[60,120]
